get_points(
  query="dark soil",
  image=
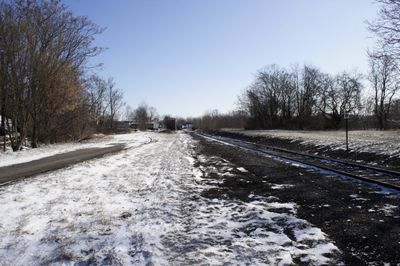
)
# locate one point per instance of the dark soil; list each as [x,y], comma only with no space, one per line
[370,158]
[351,213]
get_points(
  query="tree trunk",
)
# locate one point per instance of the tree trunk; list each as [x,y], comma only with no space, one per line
[34,136]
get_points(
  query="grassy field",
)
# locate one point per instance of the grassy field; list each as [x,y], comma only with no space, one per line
[373,141]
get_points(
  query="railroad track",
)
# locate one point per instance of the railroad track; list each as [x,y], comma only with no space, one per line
[380,176]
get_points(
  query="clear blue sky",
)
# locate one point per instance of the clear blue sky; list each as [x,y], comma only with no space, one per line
[187,56]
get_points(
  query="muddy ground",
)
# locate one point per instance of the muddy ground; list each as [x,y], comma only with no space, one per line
[296,145]
[363,222]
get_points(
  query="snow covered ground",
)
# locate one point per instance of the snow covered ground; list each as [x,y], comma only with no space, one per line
[26,155]
[380,142]
[143,206]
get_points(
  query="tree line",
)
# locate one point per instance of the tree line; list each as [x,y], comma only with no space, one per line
[385,62]
[307,98]
[45,92]
[300,97]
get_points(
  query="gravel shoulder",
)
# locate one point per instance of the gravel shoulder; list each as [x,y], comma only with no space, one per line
[367,154]
[362,222]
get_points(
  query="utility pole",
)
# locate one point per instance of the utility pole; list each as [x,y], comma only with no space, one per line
[3,97]
[346,118]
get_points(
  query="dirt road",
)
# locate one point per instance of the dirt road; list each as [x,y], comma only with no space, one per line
[17,171]
[158,204]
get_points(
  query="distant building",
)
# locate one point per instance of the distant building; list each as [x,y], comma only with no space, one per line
[188,126]
[122,124]
[169,123]
[153,125]
[149,125]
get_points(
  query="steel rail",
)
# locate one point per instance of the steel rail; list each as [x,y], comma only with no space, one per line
[353,164]
[318,166]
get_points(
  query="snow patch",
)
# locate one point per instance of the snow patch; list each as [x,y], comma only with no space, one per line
[281,186]
[389,209]
[241,169]
[372,141]
[144,206]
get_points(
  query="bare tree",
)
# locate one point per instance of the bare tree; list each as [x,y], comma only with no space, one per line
[169,122]
[385,82]
[115,98]
[128,113]
[97,99]
[3,96]
[153,115]
[142,116]
[306,94]
[338,95]
[384,61]
[105,101]
[210,120]
[395,115]
[282,98]
[387,27]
